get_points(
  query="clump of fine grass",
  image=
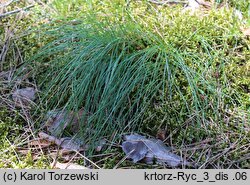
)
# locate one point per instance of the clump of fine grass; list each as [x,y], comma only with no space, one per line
[108,77]
[115,73]
[146,67]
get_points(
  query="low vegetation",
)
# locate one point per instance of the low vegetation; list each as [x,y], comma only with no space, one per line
[131,66]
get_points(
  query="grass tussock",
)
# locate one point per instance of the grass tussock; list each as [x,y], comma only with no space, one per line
[133,66]
[128,75]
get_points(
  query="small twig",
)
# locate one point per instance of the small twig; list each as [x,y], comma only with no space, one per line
[16,11]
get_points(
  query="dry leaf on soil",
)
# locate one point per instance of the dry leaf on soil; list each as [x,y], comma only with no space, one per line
[24,96]
[41,143]
[137,147]
[66,143]
[58,120]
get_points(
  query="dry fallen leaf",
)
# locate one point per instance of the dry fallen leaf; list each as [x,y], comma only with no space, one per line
[58,120]
[135,150]
[65,143]
[137,147]
[24,96]
[68,143]
[39,143]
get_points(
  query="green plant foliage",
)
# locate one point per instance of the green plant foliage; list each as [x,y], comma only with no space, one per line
[128,73]
[134,66]
[11,128]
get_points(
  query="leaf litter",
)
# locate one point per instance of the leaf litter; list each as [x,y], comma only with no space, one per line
[58,120]
[65,143]
[24,96]
[138,148]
